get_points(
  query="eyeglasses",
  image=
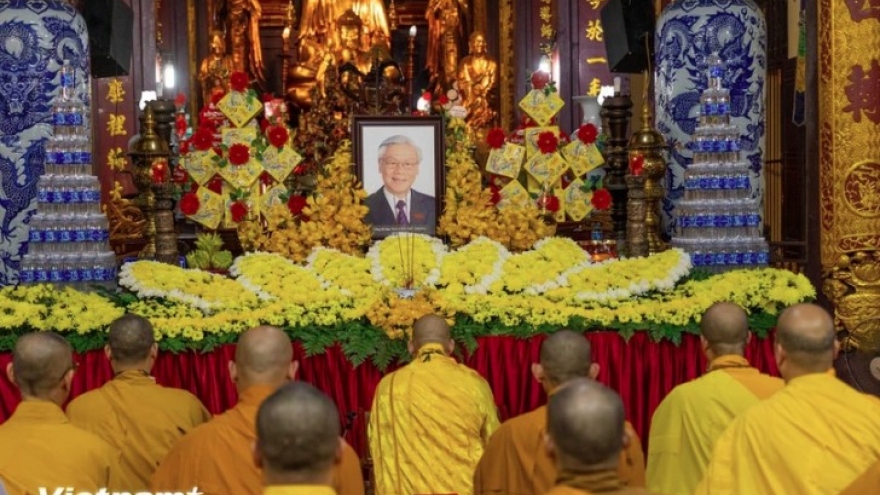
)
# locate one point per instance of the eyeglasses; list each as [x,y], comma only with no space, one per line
[396,165]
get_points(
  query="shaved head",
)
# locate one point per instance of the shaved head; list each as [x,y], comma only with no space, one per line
[806,333]
[40,361]
[566,355]
[298,431]
[131,339]
[725,326]
[430,329]
[263,355]
[585,422]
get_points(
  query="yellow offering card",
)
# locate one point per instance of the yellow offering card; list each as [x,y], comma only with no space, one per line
[580,158]
[531,138]
[577,201]
[211,208]
[514,194]
[240,108]
[560,194]
[232,136]
[279,164]
[241,176]
[546,169]
[200,165]
[540,106]
[506,161]
[272,197]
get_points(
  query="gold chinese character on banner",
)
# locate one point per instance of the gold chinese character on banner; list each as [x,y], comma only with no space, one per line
[116,125]
[544,13]
[116,159]
[597,60]
[547,31]
[115,93]
[594,4]
[594,30]
[595,87]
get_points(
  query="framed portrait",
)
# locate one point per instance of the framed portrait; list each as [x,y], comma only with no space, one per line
[400,162]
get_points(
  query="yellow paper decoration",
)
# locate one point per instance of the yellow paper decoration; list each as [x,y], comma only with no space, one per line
[506,161]
[239,107]
[546,169]
[581,158]
[577,201]
[210,208]
[531,138]
[241,176]
[200,165]
[272,197]
[540,106]
[514,194]
[232,136]
[279,164]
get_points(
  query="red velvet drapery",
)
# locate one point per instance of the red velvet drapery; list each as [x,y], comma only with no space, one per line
[642,371]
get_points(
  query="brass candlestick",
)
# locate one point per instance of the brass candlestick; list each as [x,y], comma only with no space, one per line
[144,151]
[410,68]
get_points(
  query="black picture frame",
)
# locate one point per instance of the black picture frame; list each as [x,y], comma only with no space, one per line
[425,189]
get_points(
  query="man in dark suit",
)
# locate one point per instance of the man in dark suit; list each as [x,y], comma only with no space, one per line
[396,206]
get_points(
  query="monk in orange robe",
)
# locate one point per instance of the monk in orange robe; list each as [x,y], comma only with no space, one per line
[217,457]
[585,436]
[298,441]
[38,445]
[132,413]
[866,483]
[691,418]
[816,436]
[431,419]
[515,462]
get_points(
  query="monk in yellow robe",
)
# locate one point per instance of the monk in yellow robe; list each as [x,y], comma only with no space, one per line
[585,437]
[515,462]
[38,445]
[814,437]
[866,483]
[298,441]
[430,419]
[691,418]
[132,413]
[217,457]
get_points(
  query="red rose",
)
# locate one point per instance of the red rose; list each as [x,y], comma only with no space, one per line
[637,164]
[239,81]
[496,194]
[426,96]
[495,138]
[189,204]
[443,99]
[203,139]
[296,203]
[180,100]
[552,204]
[540,79]
[277,136]
[587,133]
[547,142]
[239,154]
[239,211]
[601,199]
[216,96]
[216,185]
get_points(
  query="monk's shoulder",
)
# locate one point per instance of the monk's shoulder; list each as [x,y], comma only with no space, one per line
[86,442]
[180,397]
[87,403]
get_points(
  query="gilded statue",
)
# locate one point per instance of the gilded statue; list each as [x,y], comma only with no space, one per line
[216,68]
[447,28]
[243,22]
[306,76]
[323,15]
[477,80]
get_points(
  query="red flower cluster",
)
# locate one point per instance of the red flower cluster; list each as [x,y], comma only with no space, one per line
[540,79]
[239,81]
[548,202]
[239,154]
[180,100]
[426,96]
[547,142]
[203,139]
[277,136]
[495,138]
[239,211]
[601,199]
[216,96]
[496,194]
[296,203]
[189,204]
[587,133]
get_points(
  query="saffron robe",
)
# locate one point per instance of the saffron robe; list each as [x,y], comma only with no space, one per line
[604,482]
[814,437]
[217,457]
[40,448]
[298,490]
[429,423]
[141,419]
[866,483]
[690,419]
[516,463]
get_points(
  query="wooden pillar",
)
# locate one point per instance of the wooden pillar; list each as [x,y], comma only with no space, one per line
[849,164]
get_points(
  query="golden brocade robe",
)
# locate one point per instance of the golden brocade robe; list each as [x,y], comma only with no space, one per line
[140,418]
[690,419]
[40,448]
[429,424]
[814,437]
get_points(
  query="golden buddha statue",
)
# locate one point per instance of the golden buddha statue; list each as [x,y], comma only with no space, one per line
[447,25]
[308,69]
[243,17]
[324,14]
[216,68]
[477,80]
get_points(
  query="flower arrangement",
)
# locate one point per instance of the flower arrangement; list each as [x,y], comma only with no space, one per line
[208,255]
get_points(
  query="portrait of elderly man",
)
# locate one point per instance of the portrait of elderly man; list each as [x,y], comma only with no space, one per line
[396,206]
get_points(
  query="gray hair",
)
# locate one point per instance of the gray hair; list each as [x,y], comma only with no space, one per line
[398,140]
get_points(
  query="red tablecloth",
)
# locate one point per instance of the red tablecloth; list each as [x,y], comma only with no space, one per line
[642,371]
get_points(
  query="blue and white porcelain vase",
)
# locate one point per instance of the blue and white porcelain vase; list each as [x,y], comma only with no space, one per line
[36,36]
[687,33]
